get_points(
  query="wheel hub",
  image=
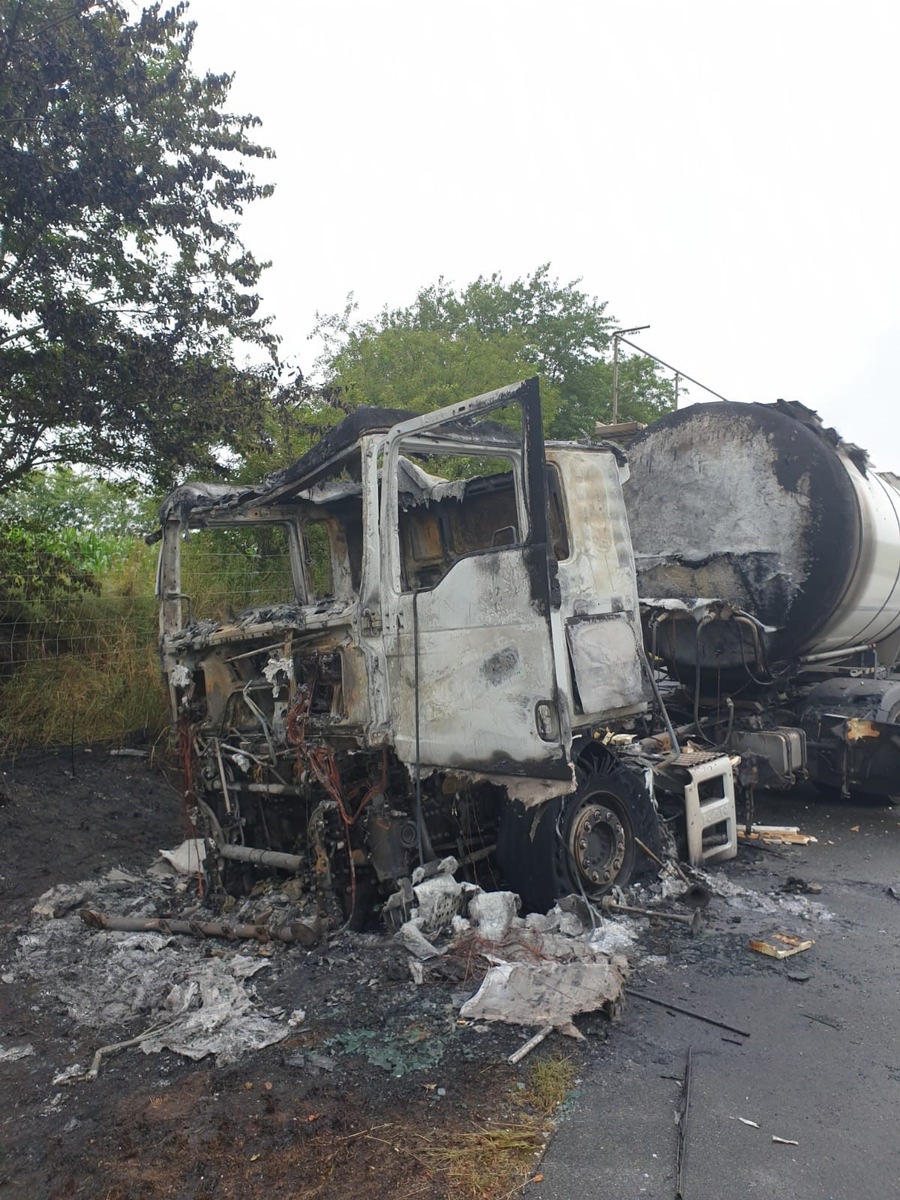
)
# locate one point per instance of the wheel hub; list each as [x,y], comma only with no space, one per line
[597,844]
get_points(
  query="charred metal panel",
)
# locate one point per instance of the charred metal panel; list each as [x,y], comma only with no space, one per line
[471,660]
[597,580]
[747,504]
[485,661]
[605,661]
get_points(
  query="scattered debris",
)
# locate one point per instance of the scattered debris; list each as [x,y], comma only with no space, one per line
[531,1044]
[413,1050]
[822,1020]
[613,906]
[686,1012]
[736,896]
[493,913]
[302,932]
[187,859]
[62,899]
[784,1141]
[14,1053]
[696,893]
[892,891]
[411,937]
[682,1119]
[547,993]
[798,976]
[778,835]
[105,1052]
[780,945]
[795,885]
[747,1121]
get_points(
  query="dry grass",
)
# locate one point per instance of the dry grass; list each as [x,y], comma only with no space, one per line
[264,1141]
[549,1082]
[492,1163]
[86,668]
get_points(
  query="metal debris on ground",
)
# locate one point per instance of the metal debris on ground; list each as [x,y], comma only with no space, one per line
[685,1012]
[541,970]
[531,1044]
[547,993]
[610,905]
[822,1020]
[778,835]
[302,932]
[682,1119]
[780,945]
[794,884]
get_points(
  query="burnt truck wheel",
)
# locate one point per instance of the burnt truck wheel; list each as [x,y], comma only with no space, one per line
[582,843]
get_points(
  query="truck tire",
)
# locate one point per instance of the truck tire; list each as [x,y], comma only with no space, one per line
[583,843]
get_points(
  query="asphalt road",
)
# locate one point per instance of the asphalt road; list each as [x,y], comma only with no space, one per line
[821,1066]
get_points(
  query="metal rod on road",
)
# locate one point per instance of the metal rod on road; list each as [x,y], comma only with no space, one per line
[681,1151]
[686,1012]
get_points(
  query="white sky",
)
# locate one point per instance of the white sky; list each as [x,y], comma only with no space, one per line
[724,171]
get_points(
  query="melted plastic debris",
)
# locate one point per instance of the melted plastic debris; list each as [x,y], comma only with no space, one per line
[493,913]
[204,1003]
[410,935]
[547,993]
[215,1015]
[738,897]
[60,900]
[14,1053]
[186,859]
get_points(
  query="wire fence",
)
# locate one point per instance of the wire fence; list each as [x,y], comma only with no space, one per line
[79,657]
[78,654]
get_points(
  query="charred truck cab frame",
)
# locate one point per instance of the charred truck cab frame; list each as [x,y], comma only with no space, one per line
[444,663]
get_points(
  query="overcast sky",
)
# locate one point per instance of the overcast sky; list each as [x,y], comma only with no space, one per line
[724,171]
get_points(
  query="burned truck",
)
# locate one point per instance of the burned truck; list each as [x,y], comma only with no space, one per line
[768,560]
[421,640]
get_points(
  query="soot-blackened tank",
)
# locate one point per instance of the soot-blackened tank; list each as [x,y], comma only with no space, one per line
[761,506]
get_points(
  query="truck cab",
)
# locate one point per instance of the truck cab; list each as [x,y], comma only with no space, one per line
[418,640]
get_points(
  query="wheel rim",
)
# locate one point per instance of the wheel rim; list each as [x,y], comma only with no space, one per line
[597,843]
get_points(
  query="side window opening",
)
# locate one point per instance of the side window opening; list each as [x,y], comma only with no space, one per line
[317,560]
[462,505]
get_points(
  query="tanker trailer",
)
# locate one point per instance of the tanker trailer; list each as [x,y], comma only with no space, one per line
[768,562]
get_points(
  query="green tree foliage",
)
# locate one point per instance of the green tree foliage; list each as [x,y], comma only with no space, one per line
[123,282]
[450,344]
[61,499]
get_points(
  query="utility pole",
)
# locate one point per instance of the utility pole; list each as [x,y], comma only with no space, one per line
[618,333]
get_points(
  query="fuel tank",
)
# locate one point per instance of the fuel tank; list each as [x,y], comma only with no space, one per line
[761,506]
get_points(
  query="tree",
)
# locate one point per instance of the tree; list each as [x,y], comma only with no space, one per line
[123,282]
[448,345]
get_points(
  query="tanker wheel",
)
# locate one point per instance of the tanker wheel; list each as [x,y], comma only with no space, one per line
[578,844]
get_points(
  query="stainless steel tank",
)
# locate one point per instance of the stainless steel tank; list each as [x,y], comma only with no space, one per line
[761,506]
